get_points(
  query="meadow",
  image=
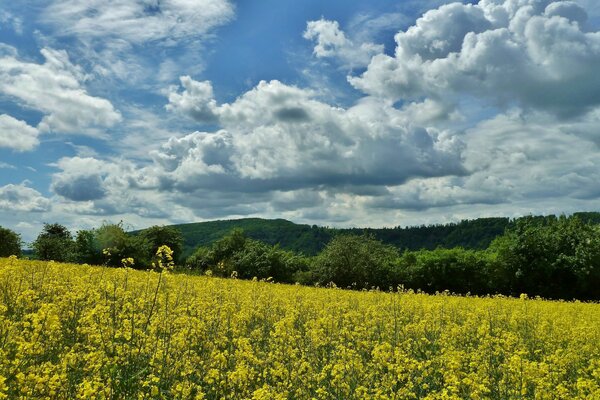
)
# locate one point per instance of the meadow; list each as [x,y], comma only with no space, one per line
[77,331]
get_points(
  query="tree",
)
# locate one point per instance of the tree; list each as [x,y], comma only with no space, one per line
[219,256]
[457,270]
[157,236]
[10,243]
[550,257]
[118,245]
[248,258]
[55,242]
[355,261]
[87,248]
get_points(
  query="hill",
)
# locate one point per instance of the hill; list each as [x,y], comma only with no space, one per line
[474,234]
[297,237]
[307,239]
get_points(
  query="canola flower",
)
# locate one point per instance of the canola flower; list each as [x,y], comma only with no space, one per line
[82,332]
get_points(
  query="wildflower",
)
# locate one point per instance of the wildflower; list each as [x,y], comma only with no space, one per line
[127,262]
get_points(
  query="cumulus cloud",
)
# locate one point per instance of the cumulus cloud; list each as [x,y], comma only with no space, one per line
[513,158]
[81,179]
[532,53]
[106,187]
[414,142]
[17,135]
[56,89]
[277,136]
[22,198]
[332,42]
[196,101]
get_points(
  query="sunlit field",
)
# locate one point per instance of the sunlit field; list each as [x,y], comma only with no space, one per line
[71,331]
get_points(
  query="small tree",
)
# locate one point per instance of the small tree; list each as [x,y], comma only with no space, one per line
[117,245]
[10,243]
[55,242]
[87,248]
[357,261]
[157,236]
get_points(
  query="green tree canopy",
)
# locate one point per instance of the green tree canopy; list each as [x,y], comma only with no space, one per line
[550,257]
[355,261]
[157,236]
[10,243]
[55,242]
[120,245]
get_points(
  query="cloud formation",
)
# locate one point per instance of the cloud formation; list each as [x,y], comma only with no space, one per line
[277,136]
[481,109]
[536,54]
[331,42]
[20,197]
[16,134]
[137,21]
[56,89]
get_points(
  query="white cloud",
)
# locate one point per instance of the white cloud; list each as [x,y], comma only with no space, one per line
[142,43]
[196,101]
[81,179]
[137,21]
[56,89]
[531,52]
[331,41]
[20,197]
[513,158]
[4,165]
[277,136]
[16,134]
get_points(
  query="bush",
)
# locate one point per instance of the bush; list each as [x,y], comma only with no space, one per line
[247,258]
[456,270]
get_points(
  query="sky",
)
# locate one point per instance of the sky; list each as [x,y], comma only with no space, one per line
[337,113]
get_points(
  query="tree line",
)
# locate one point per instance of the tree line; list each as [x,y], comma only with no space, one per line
[552,257]
[107,245]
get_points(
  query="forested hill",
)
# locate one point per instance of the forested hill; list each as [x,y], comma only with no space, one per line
[307,239]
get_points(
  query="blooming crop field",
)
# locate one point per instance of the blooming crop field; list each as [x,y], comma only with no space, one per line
[72,331]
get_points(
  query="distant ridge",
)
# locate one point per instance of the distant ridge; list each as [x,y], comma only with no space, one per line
[310,239]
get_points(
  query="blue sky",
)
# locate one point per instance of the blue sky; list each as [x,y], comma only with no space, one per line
[345,113]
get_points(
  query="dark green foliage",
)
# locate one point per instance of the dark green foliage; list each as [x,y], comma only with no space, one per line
[553,257]
[87,248]
[90,245]
[310,240]
[550,257]
[55,242]
[119,245]
[298,238]
[157,236]
[10,243]
[470,234]
[355,261]
[236,254]
[456,270]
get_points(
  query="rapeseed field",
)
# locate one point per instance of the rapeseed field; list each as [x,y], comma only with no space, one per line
[71,331]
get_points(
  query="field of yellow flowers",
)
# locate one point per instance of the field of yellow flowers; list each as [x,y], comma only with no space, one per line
[72,331]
